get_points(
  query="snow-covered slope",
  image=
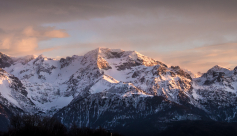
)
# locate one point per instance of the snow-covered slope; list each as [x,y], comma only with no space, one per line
[13,93]
[44,80]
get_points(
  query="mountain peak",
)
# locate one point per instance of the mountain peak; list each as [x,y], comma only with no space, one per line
[235,68]
[123,59]
[2,54]
[113,53]
[41,57]
[109,49]
[24,59]
[218,68]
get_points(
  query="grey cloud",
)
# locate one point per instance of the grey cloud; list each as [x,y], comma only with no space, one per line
[44,11]
[2,32]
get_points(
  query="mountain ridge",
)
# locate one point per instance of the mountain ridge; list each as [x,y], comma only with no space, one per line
[123,85]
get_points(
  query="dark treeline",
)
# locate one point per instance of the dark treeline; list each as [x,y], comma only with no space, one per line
[200,128]
[34,125]
[180,128]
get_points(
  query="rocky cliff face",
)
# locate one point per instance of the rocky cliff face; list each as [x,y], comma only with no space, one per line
[111,88]
[5,61]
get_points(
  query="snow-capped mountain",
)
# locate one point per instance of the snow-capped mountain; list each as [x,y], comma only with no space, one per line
[216,91]
[114,88]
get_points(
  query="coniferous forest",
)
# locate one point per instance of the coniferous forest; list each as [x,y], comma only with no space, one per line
[35,125]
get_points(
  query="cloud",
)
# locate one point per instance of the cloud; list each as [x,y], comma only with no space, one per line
[18,46]
[56,34]
[42,32]
[2,31]
[25,45]
[26,41]
[38,12]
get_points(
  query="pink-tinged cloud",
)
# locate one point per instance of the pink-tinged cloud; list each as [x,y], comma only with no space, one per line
[25,42]
[42,32]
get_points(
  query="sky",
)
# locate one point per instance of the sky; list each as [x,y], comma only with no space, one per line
[193,34]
